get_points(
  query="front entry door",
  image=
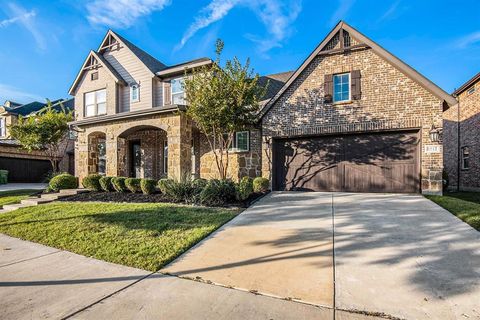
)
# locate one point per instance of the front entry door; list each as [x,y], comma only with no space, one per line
[136,156]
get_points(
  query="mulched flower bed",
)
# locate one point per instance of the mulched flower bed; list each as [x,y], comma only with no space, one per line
[141,198]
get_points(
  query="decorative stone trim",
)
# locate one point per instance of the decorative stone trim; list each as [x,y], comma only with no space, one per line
[348,128]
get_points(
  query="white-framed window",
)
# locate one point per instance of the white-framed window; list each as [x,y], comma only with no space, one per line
[241,141]
[471,90]
[465,153]
[165,156]
[341,87]
[178,93]
[134,93]
[3,128]
[95,103]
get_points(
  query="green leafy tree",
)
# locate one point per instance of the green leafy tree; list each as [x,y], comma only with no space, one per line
[221,101]
[44,131]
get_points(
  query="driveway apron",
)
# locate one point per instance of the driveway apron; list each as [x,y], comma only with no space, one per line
[281,246]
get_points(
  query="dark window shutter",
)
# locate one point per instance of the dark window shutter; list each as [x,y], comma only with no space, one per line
[328,88]
[167,94]
[356,86]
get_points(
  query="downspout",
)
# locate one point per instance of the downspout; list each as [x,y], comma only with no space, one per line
[458,145]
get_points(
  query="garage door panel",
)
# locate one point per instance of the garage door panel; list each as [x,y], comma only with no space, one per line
[381,162]
[309,164]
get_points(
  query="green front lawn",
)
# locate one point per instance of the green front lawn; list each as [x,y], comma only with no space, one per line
[15,196]
[465,205]
[146,236]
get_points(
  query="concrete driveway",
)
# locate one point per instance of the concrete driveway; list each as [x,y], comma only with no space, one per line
[399,256]
[290,256]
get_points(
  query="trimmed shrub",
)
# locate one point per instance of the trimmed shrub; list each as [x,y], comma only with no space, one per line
[218,192]
[106,183]
[118,184]
[148,186]
[260,184]
[63,181]
[133,184]
[163,185]
[92,182]
[244,188]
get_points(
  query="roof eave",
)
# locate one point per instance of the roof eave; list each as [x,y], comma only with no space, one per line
[181,69]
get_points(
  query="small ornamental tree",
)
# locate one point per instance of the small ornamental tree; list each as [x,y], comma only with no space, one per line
[221,101]
[44,131]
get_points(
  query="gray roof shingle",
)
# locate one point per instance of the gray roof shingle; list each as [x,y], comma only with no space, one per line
[150,62]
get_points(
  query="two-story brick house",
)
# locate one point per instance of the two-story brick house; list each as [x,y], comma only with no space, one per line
[461,138]
[352,117]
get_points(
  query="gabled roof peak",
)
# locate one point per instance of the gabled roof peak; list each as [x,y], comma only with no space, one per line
[329,45]
[110,40]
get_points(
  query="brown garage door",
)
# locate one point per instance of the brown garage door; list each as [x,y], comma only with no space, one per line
[379,162]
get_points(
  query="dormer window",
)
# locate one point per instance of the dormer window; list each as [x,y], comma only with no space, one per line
[178,94]
[95,103]
[134,93]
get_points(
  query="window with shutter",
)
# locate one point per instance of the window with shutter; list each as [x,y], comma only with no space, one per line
[328,88]
[356,85]
[167,94]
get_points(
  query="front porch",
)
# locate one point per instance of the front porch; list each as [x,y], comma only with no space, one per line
[156,147]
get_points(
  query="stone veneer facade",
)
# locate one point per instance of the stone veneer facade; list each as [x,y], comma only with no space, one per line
[389,101]
[462,129]
[175,127]
[240,163]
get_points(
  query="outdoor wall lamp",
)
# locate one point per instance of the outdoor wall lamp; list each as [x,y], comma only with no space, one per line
[435,134]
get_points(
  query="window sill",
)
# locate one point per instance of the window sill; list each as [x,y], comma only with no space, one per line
[232,151]
[339,103]
[97,115]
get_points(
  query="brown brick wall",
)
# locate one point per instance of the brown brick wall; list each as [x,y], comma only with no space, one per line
[389,101]
[465,118]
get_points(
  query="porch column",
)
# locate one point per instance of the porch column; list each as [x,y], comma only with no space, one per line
[111,154]
[179,147]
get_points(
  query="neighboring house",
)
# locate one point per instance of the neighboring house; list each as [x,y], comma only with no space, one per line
[24,166]
[352,118]
[462,138]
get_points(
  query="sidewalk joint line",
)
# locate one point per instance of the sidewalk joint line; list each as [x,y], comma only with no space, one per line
[29,259]
[106,297]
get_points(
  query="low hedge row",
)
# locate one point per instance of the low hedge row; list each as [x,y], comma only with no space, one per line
[207,192]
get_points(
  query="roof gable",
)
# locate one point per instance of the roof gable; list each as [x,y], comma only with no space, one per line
[112,39]
[94,61]
[343,38]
